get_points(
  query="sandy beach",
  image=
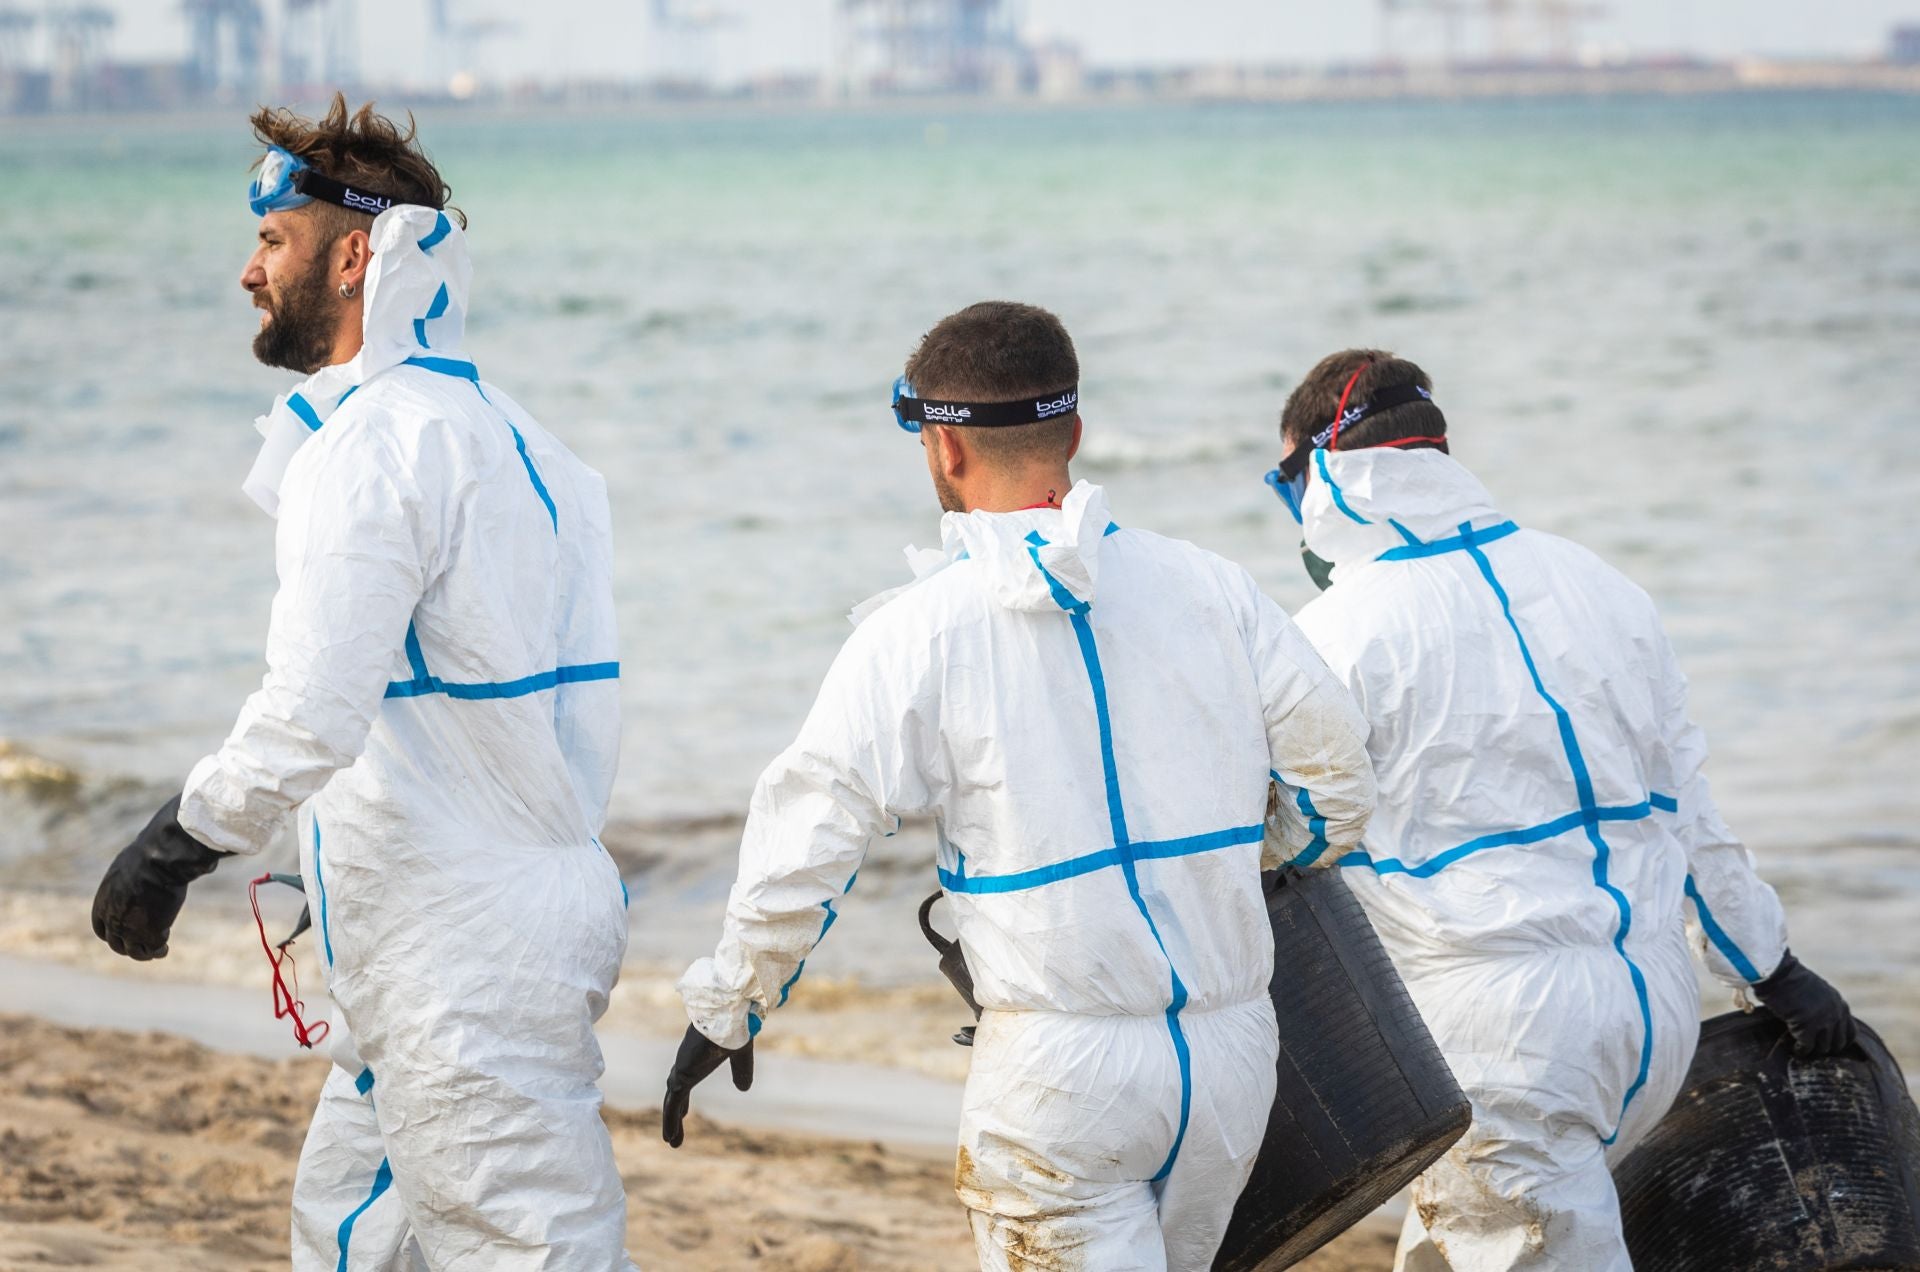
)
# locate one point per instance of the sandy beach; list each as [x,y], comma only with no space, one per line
[125,1151]
[125,1144]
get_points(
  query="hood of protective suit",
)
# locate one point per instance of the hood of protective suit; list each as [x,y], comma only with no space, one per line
[1361,503]
[1064,544]
[415,306]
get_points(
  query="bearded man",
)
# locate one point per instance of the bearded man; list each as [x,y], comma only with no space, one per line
[440,715]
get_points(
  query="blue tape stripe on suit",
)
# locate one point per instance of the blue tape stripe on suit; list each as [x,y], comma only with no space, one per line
[1453,543]
[1074,867]
[435,310]
[441,228]
[1316,824]
[533,475]
[1333,488]
[1502,839]
[1116,814]
[826,926]
[1601,854]
[467,371]
[304,409]
[1721,941]
[572,675]
[1109,764]
[455,367]
[1180,1049]
[320,882]
[1061,596]
[382,1180]
[415,659]
[1583,782]
[364,1083]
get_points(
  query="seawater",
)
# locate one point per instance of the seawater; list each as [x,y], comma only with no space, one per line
[1679,330]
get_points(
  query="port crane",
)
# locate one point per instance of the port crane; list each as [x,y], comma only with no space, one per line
[1511,30]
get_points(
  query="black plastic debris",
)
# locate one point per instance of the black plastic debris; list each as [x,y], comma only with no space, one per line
[1770,1163]
[1365,1100]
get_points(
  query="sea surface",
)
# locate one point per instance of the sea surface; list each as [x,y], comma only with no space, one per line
[1684,331]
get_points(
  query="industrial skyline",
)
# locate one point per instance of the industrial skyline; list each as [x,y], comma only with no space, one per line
[738,39]
[63,55]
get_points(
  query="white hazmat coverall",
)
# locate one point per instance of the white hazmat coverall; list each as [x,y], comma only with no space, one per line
[441,709]
[1543,819]
[1098,760]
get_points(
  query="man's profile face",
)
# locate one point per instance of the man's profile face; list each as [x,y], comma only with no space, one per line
[288,278]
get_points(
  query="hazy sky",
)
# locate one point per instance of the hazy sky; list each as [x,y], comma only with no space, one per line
[601,37]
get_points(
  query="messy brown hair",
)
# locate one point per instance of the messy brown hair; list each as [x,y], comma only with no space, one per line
[360,148]
[1311,406]
[1000,351]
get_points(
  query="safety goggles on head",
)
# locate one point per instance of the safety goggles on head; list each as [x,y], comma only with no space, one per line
[286,181]
[911,412]
[1291,489]
[1289,480]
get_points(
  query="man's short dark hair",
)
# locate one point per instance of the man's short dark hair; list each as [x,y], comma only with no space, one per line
[360,148]
[1311,406]
[1001,351]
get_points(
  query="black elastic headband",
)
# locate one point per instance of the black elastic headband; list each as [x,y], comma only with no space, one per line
[1386,399]
[309,182]
[988,414]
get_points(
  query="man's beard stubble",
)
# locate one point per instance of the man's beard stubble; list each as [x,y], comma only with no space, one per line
[950,500]
[299,335]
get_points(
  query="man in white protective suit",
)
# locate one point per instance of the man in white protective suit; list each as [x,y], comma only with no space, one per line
[440,714]
[1095,717]
[1543,820]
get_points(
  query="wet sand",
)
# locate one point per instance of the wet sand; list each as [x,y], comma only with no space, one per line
[123,1151]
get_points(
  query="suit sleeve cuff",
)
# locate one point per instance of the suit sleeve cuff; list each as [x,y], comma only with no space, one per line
[216,811]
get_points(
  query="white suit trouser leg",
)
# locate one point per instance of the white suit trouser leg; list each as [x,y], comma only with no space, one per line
[483,1100]
[346,1214]
[1528,1188]
[1463,1220]
[1069,1119]
[546,1196]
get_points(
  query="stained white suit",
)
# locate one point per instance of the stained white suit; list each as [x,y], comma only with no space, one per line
[1094,716]
[1543,820]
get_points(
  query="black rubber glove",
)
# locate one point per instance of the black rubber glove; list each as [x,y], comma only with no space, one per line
[146,885]
[1815,1014]
[697,1058]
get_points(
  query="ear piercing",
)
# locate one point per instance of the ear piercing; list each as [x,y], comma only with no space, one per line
[347,290]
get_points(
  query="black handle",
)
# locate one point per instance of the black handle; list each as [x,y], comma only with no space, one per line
[934,938]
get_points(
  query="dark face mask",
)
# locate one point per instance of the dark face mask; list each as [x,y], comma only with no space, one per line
[1319,569]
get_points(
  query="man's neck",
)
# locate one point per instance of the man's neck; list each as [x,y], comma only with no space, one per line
[1027,491]
[348,339]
